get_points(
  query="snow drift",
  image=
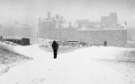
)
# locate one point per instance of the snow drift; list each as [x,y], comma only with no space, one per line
[81,66]
[106,53]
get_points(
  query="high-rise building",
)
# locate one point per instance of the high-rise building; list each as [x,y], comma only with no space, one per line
[109,21]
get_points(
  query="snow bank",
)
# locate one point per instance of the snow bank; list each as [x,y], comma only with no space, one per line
[9,58]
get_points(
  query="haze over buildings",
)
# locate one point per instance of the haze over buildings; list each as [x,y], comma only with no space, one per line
[20,15]
[28,11]
[55,26]
[94,33]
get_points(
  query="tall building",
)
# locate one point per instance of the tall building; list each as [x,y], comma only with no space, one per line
[109,21]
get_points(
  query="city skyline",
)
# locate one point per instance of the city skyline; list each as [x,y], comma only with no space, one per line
[28,11]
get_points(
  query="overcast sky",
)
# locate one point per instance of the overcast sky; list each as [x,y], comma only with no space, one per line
[30,10]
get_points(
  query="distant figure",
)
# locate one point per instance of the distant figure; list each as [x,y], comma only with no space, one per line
[105,43]
[55,47]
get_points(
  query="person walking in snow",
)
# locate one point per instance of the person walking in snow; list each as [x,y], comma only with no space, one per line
[55,47]
[105,43]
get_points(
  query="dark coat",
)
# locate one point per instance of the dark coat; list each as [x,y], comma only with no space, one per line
[55,45]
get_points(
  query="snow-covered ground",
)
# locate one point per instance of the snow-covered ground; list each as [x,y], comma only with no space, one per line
[93,65]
